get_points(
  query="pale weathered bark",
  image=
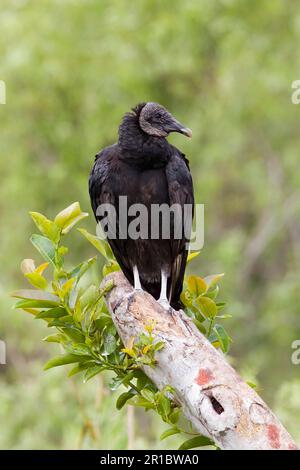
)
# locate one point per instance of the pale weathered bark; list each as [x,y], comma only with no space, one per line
[213,396]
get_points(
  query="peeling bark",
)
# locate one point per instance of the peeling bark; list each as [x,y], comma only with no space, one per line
[213,396]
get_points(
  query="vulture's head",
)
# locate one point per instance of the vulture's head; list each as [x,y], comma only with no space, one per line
[155,120]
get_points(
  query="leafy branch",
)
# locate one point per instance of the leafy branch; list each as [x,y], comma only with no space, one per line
[84,328]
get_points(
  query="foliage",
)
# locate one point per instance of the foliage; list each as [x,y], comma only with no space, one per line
[84,327]
[199,298]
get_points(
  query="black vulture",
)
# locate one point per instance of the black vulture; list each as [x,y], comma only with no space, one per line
[148,170]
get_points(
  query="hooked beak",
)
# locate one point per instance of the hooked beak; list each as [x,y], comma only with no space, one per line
[176,126]
[186,131]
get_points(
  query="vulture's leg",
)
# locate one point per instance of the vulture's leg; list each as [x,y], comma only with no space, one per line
[163,299]
[136,276]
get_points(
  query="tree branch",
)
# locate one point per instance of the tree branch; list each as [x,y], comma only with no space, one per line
[213,396]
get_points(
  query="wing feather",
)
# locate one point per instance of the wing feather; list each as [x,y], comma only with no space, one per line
[101,189]
[180,186]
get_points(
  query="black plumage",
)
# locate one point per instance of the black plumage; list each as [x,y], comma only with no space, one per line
[147,169]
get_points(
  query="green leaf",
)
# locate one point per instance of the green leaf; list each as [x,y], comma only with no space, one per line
[80,349]
[186,298]
[174,415]
[169,432]
[163,406]
[251,384]
[110,344]
[102,321]
[62,321]
[193,255]
[82,268]
[148,395]
[61,360]
[68,217]
[147,405]
[67,287]
[45,247]
[198,441]
[46,226]
[80,367]
[73,333]
[117,381]
[223,337]
[92,371]
[95,241]
[123,398]
[200,326]
[89,296]
[220,305]
[213,279]
[107,288]
[207,306]
[37,280]
[108,249]
[213,338]
[111,330]
[75,221]
[158,345]
[35,299]
[53,338]
[142,379]
[212,294]
[196,285]
[56,312]
[27,303]
[110,267]
[33,294]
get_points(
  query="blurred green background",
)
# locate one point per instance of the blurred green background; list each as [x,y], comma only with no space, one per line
[72,68]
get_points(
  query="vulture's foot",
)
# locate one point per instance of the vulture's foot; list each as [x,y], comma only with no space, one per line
[164,303]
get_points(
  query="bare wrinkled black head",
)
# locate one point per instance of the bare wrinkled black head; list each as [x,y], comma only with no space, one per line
[142,133]
[155,120]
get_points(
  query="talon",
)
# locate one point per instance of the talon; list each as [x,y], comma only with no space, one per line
[164,303]
[138,289]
